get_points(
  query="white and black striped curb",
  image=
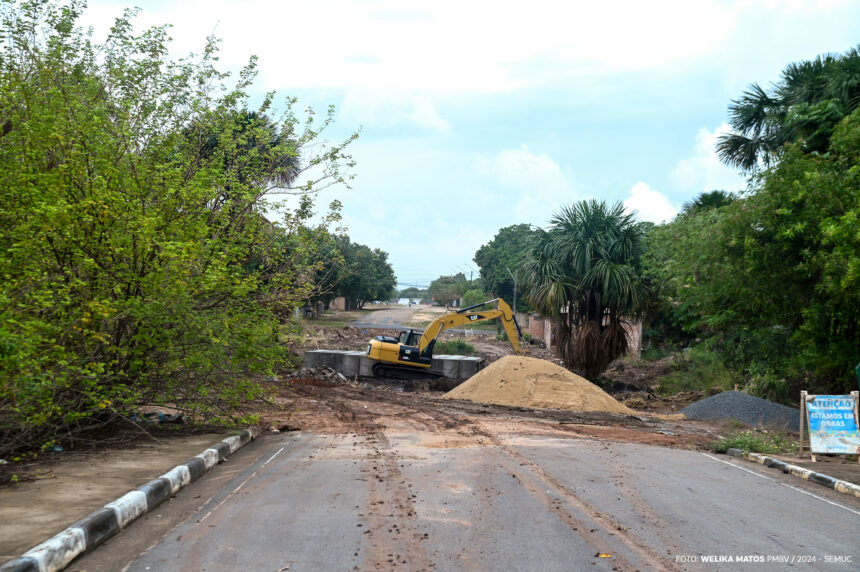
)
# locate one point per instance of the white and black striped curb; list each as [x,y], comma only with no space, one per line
[820,478]
[58,551]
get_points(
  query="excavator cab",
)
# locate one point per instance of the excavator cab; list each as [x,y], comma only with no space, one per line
[412,351]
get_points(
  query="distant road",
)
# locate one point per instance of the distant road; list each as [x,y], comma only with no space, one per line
[391,319]
[396,318]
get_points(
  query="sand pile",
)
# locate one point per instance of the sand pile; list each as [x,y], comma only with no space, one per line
[530,382]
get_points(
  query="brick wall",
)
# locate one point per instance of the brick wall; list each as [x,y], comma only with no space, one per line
[338,304]
[541,329]
[536,327]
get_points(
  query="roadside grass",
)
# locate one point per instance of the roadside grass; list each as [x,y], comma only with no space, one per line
[656,353]
[697,370]
[454,347]
[751,441]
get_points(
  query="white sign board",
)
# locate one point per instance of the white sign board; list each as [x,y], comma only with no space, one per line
[833,426]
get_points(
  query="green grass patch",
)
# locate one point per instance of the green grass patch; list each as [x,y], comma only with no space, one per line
[656,353]
[454,347]
[754,442]
[697,370]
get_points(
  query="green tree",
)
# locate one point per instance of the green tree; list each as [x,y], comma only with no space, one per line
[772,281]
[413,292]
[447,290]
[584,273]
[138,266]
[501,257]
[474,296]
[707,200]
[810,99]
[366,274]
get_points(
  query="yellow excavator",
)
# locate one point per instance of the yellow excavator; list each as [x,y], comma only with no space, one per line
[411,354]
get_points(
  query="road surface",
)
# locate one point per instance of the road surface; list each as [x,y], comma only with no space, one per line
[431,490]
[396,318]
[388,319]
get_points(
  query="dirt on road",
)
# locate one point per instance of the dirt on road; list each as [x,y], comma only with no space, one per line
[335,408]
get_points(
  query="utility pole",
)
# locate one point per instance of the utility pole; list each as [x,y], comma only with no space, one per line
[515,289]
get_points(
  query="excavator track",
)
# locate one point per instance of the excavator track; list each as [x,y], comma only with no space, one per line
[403,372]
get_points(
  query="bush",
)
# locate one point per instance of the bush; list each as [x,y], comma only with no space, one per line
[753,442]
[454,347]
[698,370]
[137,264]
[769,386]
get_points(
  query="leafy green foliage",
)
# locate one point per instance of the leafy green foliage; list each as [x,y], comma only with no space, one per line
[475,296]
[771,280]
[584,273]
[755,442]
[412,292]
[363,275]
[454,347]
[501,257]
[707,201]
[811,98]
[698,369]
[138,266]
[448,289]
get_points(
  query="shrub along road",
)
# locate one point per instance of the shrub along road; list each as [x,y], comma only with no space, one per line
[380,480]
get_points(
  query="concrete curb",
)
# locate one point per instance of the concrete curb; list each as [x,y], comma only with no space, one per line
[806,474]
[58,551]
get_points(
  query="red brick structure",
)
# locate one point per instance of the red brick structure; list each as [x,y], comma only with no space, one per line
[541,329]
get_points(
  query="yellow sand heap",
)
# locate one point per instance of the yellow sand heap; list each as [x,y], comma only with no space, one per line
[530,382]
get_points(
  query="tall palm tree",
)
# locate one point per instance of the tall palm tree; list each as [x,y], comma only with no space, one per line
[804,106]
[583,273]
[707,201]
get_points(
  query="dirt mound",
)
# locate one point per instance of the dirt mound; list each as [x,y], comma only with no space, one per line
[529,382]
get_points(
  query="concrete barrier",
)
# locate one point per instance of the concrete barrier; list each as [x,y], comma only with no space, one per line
[352,363]
[365,366]
[313,358]
[469,366]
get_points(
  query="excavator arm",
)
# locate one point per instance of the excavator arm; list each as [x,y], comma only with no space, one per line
[414,350]
[466,316]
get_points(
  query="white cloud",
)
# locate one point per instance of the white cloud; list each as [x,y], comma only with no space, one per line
[444,47]
[703,171]
[387,109]
[539,184]
[650,205]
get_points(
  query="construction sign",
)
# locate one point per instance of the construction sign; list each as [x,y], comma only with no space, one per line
[833,426]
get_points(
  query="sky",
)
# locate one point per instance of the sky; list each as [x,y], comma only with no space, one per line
[475,115]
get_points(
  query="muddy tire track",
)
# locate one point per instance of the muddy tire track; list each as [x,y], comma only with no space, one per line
[393,539]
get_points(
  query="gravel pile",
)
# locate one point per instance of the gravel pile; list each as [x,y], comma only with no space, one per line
[745,408]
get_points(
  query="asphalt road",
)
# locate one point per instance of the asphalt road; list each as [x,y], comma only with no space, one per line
[489,501]
[389,319]
[396,318]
